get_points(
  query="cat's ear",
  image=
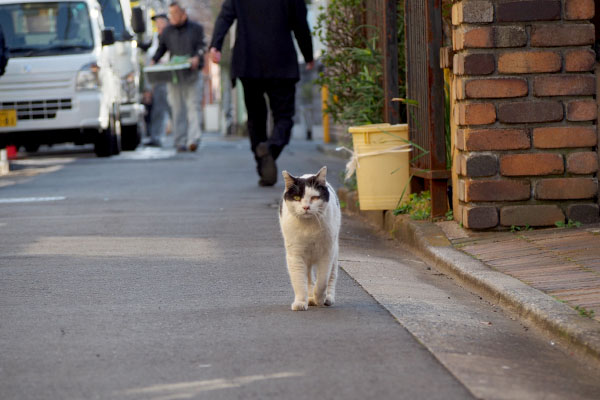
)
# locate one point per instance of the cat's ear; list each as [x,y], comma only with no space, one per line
[288,179]
[322,175]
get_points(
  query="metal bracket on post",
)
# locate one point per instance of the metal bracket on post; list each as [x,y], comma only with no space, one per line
[446,57]
[390,61]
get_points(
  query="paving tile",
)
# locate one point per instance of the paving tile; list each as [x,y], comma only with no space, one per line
[564,263]
[591,300]
[568,277]
[572,292]
[491,249]
[591,256]
[530,260]
[596,268]
[588,260]
[548,286]
[500,254]
[583,245]
[553,234]
[539,272]
[516,268]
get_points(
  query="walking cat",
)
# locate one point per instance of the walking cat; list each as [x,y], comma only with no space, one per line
[310,219]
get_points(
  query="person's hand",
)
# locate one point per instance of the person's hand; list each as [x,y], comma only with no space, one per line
[147,97]
[195,62]
[215,55]
[310,65]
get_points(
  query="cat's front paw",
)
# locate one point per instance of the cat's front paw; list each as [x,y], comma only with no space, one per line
[312,301]
[299,306]
[329,300]
[319,300]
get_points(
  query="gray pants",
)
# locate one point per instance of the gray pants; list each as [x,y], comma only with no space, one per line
[159,113]
[186,103]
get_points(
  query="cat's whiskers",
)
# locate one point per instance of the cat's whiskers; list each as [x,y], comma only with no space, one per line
[318,219]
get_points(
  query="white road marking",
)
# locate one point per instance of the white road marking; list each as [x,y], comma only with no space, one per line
[31,199]
[186,390]
[146,153]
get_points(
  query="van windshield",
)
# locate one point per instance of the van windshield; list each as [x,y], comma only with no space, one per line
[112,14]
[35,29]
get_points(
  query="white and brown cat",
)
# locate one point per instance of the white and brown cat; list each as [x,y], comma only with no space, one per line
[310,219]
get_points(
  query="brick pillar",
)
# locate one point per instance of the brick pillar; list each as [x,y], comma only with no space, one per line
[525,135]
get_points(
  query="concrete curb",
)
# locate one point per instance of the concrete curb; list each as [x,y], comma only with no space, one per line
[530,304]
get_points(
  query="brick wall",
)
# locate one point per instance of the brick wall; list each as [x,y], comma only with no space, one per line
[524,112]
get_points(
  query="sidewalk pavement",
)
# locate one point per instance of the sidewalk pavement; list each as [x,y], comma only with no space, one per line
[549,277]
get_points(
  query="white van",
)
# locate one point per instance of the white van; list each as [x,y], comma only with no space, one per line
[60,84]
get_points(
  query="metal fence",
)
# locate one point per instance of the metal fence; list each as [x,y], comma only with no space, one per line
[425,85]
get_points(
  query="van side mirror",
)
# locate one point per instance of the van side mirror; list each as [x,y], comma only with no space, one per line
[108,36]
[137,20]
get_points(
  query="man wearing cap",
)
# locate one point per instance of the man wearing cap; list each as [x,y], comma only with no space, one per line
[184,38]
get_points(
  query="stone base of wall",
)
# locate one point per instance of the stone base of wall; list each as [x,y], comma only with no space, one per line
[399,227]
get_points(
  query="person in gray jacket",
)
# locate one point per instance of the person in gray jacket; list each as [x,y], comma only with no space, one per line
[184,38]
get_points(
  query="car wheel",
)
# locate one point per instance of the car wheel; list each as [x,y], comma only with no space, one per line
[103,143]
[32,147]
[108,141]
[130,137]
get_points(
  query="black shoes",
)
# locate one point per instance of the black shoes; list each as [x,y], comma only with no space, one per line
[192,148]
[266,165]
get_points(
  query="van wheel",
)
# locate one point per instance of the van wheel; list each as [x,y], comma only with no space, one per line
[103,143]
[32,147]
[130,137]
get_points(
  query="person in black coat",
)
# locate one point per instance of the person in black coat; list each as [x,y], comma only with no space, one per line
[3,53]
[265,60]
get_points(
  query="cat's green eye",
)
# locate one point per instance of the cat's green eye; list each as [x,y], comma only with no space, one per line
[297,198]
[314,198]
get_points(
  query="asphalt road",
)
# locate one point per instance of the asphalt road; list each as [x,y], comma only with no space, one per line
[155,275]
[165,279]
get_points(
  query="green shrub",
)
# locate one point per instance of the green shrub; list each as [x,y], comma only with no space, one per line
[353,63]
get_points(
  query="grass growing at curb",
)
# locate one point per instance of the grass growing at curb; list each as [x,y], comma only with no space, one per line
[418,206]
[584,312]
[516,228]
[449,215]
[569,224]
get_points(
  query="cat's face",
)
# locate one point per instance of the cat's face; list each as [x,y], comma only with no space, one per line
[306,196]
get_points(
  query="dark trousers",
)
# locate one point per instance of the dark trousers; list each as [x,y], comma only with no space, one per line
[281,94]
